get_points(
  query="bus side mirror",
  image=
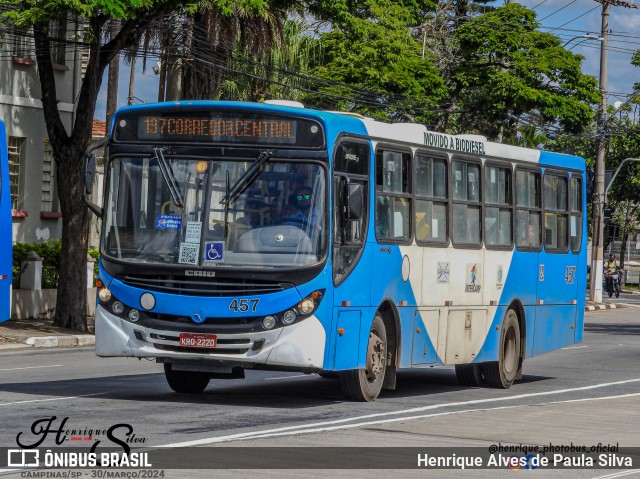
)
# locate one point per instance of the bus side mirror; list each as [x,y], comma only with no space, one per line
[89,174]
[352,200]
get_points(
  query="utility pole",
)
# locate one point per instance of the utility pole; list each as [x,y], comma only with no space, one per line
[597,250]
[597,246]
[112,81]
[132,78]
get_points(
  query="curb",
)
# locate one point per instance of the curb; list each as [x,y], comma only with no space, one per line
[598,307]
[61,341]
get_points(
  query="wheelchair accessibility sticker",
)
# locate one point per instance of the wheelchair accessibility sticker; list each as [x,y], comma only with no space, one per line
[214,251]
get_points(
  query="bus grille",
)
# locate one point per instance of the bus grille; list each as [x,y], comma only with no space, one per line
[180,349]
[202,286]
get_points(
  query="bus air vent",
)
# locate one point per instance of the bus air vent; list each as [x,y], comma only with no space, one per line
[193,286]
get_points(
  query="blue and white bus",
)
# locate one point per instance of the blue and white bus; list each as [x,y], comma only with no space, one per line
[6,248]
[269,236]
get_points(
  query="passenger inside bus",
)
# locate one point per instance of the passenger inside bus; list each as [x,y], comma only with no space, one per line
[303,214]
[253,211]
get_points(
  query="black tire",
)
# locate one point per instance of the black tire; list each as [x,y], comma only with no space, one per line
[366,384]
[191,382]
[469,375]
[502,373]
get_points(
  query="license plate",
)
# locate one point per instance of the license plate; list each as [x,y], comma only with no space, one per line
[190,340]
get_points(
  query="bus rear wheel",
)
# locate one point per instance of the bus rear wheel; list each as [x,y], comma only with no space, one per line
[502,373]
[469,375]
[366,384]
[191,382]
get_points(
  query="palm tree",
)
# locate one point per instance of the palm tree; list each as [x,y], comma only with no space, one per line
[214,36]
[281,73]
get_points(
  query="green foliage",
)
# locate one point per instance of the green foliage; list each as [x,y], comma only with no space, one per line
[279,73]
[372,64]
[50,252]
[508,68]
[31,12]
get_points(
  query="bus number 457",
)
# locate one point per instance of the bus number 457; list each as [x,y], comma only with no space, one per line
[244,305]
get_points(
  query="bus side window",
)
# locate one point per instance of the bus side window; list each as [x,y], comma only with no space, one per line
[575,209]
[393,196]
[466,203]
[498,201]
[431,211]
[555,214]
[528,210]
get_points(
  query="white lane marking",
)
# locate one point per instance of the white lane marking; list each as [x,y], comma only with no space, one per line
[576,347]
[288,377]
[198,442]
[618,474]
[51,399]
[34,367]
[266,434]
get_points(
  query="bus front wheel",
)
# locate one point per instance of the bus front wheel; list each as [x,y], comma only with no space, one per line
[192,382]
[366,384]
[503,372]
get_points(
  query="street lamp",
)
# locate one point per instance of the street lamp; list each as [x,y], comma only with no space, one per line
[584,39]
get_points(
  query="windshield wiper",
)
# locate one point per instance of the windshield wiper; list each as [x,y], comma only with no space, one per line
[247,178]
[169,178]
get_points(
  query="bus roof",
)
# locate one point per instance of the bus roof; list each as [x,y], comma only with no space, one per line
[410,133]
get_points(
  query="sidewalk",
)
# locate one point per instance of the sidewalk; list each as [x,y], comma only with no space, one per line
[40,333]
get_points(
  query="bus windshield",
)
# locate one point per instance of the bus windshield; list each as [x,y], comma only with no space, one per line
[173,210]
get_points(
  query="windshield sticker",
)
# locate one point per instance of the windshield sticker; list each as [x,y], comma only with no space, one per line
[214,251]
[168,222]
[201,166]
[192,234]
[189,253]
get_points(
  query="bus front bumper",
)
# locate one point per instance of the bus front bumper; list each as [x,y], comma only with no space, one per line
[300,345]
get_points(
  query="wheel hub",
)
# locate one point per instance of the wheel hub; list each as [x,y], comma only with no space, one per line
[375,357]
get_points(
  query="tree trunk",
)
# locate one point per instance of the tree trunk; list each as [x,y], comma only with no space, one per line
[71,299]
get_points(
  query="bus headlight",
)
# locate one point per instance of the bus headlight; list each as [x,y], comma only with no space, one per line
[269,322]
[306,306]
[104,295]
[288,317]
[117,307]
[134,315]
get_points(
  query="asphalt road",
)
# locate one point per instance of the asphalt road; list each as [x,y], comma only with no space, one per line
[584,394]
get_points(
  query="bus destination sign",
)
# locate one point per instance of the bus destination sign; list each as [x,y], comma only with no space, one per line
[217,127]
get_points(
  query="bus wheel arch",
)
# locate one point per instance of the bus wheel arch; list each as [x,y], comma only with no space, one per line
[503,372]
[517,306]
[391,318]
[365,384]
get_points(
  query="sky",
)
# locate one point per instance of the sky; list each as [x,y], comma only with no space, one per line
[566,19]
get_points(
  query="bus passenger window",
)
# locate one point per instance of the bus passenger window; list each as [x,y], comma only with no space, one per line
[466,203]
[393,200]
[575,208]
[497,217]
[555,215]
[431,200]
[528,210]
